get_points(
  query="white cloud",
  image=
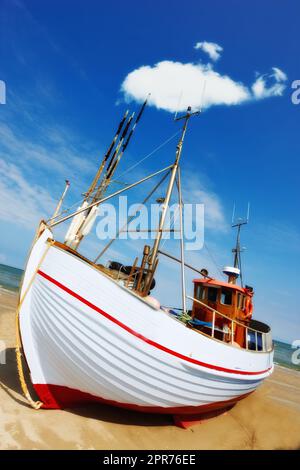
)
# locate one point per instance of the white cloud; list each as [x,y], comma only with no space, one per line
[175,85]
[261,89]
[279,75]
[211,48]
[197,84]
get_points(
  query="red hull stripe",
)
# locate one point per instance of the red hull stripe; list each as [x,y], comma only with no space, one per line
[143,338]
[59,397]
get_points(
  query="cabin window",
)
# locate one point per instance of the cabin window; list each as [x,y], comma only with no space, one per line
[255,340]
[251,340]
[240,301]
[259,342]
[200,292]
[212,294]
[226,297]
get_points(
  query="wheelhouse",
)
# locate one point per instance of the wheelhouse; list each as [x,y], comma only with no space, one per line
[223,310]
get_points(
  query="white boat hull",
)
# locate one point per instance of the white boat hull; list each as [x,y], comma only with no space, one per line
[86,338]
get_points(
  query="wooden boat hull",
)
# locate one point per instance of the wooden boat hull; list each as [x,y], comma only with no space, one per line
[86,338]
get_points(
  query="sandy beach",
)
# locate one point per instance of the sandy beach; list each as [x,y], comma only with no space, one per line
[268,419]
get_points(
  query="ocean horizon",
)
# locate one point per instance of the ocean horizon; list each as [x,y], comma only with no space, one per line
[10,279]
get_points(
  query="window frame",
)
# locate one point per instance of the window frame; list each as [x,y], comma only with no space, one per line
[217,294]
[204,290]
[226,289]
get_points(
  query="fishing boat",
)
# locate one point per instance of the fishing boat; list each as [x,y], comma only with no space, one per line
[95,333]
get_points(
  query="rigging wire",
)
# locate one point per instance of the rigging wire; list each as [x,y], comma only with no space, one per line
[65,211]
[213,259]
[175,217]
[129,220]
[172,223]
[149,154]
[125,172]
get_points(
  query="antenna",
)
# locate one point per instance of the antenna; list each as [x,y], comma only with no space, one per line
[236,222]
[188,114]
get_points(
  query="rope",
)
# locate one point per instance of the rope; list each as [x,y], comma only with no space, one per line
[185,317]
[35,404]
[77,203]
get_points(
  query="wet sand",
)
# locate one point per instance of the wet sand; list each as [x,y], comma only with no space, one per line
[268,419]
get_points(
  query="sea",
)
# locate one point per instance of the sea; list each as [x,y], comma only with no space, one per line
[10,279]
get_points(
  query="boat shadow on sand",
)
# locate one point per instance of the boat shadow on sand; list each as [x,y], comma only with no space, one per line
[9,382]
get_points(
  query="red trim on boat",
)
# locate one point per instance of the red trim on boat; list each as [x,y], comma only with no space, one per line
[143,338]
[60,397]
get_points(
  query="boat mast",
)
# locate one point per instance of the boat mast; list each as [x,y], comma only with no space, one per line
[112,168]
[106,157]
[81,226]
[59,204]
[182,264]
[123,228]
[119,151]
[237,249]
[152,261]
[237,262]
[104,183]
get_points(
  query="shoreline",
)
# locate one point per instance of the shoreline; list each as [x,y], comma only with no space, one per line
[268,419]
[280,366]
[7,290]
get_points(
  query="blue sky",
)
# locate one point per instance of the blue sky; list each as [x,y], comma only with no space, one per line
[64,64]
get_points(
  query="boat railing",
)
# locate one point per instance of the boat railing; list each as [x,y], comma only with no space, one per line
[254,340]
